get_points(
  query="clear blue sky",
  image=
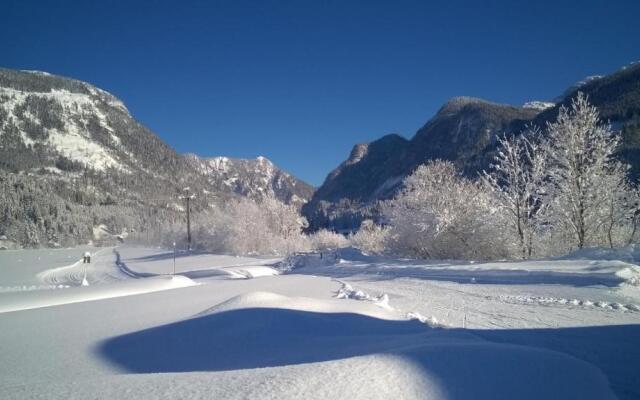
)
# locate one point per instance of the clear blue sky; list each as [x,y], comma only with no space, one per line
[301,82]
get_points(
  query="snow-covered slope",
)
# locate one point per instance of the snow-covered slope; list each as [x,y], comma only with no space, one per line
[67,135]
[68,125]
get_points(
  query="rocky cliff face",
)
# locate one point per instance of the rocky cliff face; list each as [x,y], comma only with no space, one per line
[254,178]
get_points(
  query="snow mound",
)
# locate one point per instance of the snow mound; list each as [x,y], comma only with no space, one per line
[249,300]
[251,271]
[629,254]
[631,275]
[430,321]
[624,260]
[444,363]
[268,300]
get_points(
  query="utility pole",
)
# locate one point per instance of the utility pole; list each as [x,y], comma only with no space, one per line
[188,197]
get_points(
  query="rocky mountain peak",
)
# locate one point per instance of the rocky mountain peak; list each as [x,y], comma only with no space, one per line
[456,104]
[254,178]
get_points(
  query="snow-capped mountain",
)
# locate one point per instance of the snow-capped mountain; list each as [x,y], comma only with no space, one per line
[538,105]
[576,86]
[72,157]
[254,178]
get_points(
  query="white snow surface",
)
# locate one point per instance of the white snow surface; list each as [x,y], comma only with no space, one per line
[343,326]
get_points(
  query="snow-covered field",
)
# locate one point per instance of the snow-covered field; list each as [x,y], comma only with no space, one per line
[341,326]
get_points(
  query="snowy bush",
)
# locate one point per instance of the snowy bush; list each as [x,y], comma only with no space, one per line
[246,227]
[370,238]
[327,240]
[440,214]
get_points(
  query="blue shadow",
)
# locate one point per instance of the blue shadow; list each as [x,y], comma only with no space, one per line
[269,337]
[252,338]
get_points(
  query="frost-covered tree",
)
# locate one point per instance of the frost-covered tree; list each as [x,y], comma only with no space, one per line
[441,214]
[370,238]
[618,218]
[245,226]
[585,179]
[516,180]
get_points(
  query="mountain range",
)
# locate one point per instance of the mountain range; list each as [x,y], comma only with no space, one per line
[464,131]
[72,158]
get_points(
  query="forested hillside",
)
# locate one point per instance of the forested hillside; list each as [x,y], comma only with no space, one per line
[76,166]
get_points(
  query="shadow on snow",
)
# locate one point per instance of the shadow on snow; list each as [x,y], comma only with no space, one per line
[484,359]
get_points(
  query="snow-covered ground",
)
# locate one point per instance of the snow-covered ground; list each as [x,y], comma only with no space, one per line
[344,326]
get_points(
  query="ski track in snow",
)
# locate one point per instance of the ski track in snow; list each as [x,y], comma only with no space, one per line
[100,270]
[108,276]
